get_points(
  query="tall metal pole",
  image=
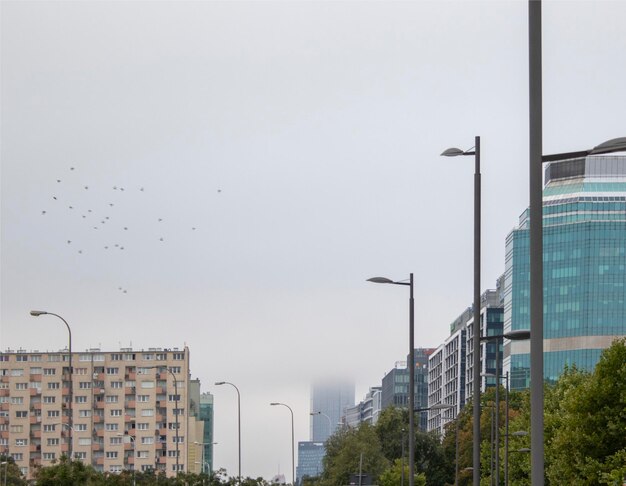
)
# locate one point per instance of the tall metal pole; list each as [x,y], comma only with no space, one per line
[293,447]
[497,434]
[456,451]
[177,415]
[411,385]
[402,480]
[36,313]
[536,243]
[506,432]
[476,350]
[238,422]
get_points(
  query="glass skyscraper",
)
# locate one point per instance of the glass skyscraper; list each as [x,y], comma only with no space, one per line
[584,263]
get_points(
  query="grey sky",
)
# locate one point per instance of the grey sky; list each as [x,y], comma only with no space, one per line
[321,123]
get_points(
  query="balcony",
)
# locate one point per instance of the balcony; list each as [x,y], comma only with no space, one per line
[4,392]
[100,432]
[4,406]
[130,404]
[128,445]
[162,460]
[35,447]
[96,447]
[36,434]
[34,391]
[4,379]
[130,460]
[131,375]
[34,419]
[100,461]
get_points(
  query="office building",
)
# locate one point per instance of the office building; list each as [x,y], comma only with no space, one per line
[206,416]
[367,410]
[330,398]
[130,408]
[584,245]
[310,457]
[395,385]
[450,367]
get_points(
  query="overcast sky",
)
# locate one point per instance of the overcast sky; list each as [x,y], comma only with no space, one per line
[301,140]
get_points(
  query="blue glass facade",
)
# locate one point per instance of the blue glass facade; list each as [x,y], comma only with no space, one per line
[584,217]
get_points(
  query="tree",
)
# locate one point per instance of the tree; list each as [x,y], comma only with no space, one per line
[344,450]
[394,474]
[68,473]
[13,474]
[588,445]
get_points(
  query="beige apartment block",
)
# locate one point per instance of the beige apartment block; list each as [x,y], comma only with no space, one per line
[130,409]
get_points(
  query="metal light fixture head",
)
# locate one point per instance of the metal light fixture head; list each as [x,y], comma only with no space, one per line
[315,413]
[274,403]
[520,433]
[441,406]
[518,335]
[220,383]
[613,145]
[37,313]
[523,449]
[380,280]
[452,152]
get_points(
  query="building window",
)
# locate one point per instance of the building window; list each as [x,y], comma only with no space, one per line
[112,399]
[147,440]
[142,454]
[84,413]
[111,427]
[21,386]
[49,371]
[84,385]
[148,412]
[80,455]
[116,357]
[175,369]
[116,412]
[49,427]
[21,357]
[113,371]
[81,399]
[54,385]
[52,442]
[115,441]
[17,429]
[49,456]
[21,442]
[48,399]
[178,356]
[80,427]
[18,456]
[147,384]
[21,414]
[117,384]
[17,400]
[17,372]
[143,398]
[111,454]
[53,413]
[84,441]
[143,426]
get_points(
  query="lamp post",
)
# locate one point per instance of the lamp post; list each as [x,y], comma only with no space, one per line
[36,313]
[411,367]
[330,425]
[176,414]
[202,445]
[293,454]
[6,470]
[132,441]
[517,335]
[454,152]
[219,383]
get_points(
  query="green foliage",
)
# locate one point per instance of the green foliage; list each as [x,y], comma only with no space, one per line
[343,454]
[395,476]
[12,471]
[588,443]
[392,430]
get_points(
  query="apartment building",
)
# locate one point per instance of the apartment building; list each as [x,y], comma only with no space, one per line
[127,409]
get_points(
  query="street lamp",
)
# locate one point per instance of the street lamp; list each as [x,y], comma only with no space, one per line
[330,425]
[293,455]
[219,383]
[36,313]
[177,414]
[132,441]
[202,445]
[411,367]
[6,470]
[516,335]
[454,152]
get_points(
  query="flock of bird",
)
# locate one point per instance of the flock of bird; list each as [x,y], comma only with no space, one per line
[102,216]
